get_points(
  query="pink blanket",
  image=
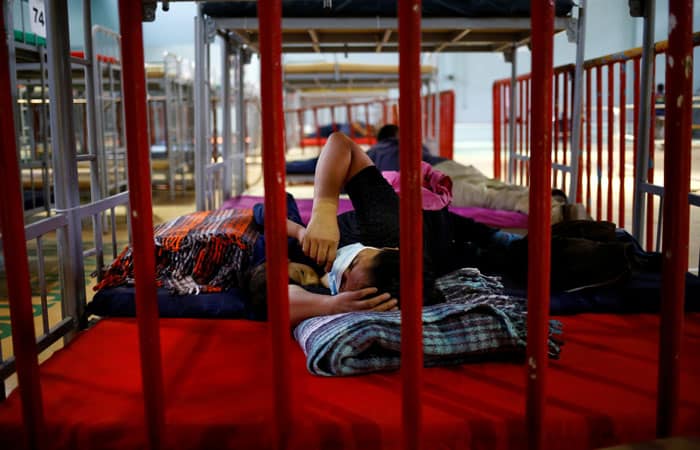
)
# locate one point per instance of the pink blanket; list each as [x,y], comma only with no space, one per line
[436,189]
[492,217]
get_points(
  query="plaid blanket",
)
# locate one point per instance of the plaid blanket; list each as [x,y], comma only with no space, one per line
[475,323]
[205,251]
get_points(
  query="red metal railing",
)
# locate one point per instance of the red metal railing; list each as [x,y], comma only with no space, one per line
[606,163]
[367,117]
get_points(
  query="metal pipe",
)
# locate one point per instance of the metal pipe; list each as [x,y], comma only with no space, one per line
[576,112]
[226,116]
[512,115]
[15,250]
[64,159]
[201,110]
[411,230]
[679,94]
[141,212]
[241,120]
[539,220]
[270,12]
[623,126]
[645,99]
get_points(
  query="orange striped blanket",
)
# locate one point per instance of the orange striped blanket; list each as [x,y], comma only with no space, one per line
[206,251]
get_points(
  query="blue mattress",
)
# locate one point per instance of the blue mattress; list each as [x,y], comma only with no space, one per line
[119,302]
[383,8]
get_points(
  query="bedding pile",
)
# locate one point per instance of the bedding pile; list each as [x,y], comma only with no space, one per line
[206,251]
[476,322]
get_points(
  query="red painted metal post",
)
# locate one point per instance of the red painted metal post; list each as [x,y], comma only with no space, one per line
[623,126]
[411,230]
[316,126]
[370,132]
[679,85]
[270,16]
[539,220]
[505,121]
[496,96]
[589,136]
[15,250]
[139,171]
[611,135]
[521,129]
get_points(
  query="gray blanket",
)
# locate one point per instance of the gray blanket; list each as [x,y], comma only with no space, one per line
[475,323]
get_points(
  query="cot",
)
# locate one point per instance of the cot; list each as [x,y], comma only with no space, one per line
[602,393]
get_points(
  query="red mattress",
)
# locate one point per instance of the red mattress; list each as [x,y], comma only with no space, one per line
[218,392]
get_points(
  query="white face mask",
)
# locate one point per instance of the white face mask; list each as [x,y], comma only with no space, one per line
[343,259]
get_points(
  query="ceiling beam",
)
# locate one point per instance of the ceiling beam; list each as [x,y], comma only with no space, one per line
[455,38]
[314,40]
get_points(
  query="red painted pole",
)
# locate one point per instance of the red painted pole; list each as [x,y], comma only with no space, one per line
[505,121]
[623,125]
[15,249]
[270,19]
[139,170]
[369,130]
[611,128]
[348,113]
[679,94]
[411,229]
[316,127]
[496,96]
[589,136]
[539,220]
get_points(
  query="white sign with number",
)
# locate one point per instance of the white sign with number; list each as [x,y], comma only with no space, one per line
[37,17]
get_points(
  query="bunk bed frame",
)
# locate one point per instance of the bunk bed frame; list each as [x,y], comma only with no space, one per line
[413,429]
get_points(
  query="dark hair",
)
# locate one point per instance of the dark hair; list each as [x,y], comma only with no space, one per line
[257,291]
[385,276]
[388,131]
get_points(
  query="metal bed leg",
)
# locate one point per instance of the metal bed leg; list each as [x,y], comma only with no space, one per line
[411,230]
[539,231]
[576,111]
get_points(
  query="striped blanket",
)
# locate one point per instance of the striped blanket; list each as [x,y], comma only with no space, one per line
[206,251]
[475,323]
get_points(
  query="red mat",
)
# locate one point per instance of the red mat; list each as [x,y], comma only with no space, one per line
[218,392]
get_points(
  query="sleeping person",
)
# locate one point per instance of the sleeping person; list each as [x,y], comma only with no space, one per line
[470,187]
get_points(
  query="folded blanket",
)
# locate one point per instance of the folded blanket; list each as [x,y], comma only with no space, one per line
[205,251]
[474,324]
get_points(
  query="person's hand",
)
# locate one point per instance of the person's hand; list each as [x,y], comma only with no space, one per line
[360,300]
[319,240]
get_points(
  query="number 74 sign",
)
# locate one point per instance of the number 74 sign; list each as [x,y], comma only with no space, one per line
[37,17]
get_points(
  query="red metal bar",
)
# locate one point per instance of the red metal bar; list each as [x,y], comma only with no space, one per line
[395,114]
[599,133]
[589,138]
[433,108]
[139,171]
[526,126]
[316,125]
[385,112]
[521,129]
[539,220]
[411,230]
[623,119]
[447,124]
[18,286]
[496,96]
[334,125]
[611,129]
[270,13]
[505,121]
[678,126]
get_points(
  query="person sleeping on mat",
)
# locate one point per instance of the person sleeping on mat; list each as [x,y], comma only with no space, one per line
[470,187]
[359,248]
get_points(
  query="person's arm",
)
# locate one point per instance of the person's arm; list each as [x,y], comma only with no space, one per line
[304,304]
[294,230]
[340,160]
